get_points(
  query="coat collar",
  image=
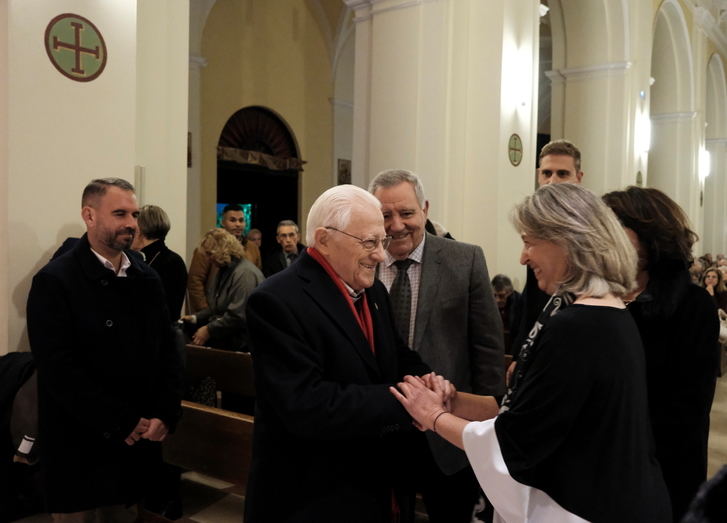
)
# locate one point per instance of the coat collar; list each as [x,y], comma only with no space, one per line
[94,270]
[318,285]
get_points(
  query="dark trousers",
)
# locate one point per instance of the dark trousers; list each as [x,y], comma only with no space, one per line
[447,498]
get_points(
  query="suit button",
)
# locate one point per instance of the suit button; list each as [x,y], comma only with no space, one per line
[106,435]
[109,323]
[104,283]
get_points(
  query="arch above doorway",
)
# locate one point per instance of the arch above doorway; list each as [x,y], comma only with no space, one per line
[257,136]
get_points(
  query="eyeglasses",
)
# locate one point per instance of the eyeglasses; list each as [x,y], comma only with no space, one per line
[368,244]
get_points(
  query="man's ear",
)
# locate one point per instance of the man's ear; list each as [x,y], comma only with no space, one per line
[425,210]
[323,240]
[88,214]
[579,176]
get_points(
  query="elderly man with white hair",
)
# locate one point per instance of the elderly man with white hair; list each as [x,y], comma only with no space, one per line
[329,438]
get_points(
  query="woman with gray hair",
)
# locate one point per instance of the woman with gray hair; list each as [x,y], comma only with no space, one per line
[571,440]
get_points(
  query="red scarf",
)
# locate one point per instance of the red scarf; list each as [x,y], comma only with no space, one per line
[364,318]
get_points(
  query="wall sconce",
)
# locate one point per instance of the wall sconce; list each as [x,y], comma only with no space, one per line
[705,163]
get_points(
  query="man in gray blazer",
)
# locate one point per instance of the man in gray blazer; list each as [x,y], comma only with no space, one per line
[445,310]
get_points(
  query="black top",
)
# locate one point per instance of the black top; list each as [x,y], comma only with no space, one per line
[682,359]
[532,302]
[578,424]
[172,271]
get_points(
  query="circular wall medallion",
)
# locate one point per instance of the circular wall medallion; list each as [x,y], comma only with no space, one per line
[75,47]
[515,149]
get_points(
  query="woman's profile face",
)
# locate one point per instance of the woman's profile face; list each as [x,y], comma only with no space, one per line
[711,279]
[548,260]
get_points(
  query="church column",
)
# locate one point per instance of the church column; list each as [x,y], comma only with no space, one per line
[194,170]
[4,250]
[600,87]
[440,88]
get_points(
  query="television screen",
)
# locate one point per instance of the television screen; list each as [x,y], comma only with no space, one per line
[246,210]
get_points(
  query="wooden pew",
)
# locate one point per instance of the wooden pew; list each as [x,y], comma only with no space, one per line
[214,441]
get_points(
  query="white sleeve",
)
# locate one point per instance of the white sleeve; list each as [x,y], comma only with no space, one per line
[513,501]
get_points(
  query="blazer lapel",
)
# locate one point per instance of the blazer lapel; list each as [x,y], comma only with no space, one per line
[324,292]
[431,262]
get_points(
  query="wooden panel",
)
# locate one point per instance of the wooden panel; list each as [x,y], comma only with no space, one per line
[231,370]
[212,441]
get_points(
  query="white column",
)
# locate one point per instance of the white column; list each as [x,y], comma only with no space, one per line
[194,173]
[674,169]
[440,87]
[4,197]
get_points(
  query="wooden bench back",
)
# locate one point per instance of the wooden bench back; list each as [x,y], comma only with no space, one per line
[231,370]
[212,441]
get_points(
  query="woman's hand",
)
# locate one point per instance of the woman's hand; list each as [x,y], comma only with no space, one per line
[201,336]
[422,403]
[443,387]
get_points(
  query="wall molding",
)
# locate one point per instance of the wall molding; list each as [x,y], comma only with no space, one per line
[673,117]
[589,71]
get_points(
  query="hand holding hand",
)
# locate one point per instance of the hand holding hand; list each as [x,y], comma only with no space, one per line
[422,404]
[141,428]
[443,387]
[201,336]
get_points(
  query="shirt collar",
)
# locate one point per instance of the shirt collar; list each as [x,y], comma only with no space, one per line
[125,263]
[415,255]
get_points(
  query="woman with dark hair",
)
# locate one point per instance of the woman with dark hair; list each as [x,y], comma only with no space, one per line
[679,327]
[713,282]
[571,440]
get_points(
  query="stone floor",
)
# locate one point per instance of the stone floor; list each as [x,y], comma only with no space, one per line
[207,500]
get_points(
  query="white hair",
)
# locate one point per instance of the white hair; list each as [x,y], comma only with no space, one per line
[333,209]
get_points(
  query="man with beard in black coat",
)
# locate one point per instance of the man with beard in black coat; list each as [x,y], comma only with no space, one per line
[109,372]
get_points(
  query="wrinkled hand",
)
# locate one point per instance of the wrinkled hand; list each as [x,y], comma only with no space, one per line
[443,387]
[420,402]
[141,428]
[157,430]
[201,336]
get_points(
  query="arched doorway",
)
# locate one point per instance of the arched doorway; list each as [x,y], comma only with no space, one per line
[258,166]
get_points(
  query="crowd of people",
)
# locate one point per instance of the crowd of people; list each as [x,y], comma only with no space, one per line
[379,325]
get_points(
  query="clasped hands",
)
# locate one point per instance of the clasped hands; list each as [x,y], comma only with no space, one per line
[152,429]
[425,398]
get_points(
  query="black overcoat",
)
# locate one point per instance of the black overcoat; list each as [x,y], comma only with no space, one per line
[327,429]
[106,356]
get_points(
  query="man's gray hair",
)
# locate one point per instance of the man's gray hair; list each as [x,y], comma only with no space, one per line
[287,223]
[392,177]
[333,209]
[98,187]
[601,259]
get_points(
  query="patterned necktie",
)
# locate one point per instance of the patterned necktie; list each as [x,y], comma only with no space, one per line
[401,298]
[290,258]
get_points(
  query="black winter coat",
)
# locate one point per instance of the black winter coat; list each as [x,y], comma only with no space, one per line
[106,356]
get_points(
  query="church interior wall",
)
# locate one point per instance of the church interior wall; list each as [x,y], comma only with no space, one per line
[269,54]
[62,133]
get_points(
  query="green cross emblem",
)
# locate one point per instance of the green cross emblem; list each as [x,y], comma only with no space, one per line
[75,47]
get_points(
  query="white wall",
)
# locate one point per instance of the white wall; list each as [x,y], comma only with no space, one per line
[62,133]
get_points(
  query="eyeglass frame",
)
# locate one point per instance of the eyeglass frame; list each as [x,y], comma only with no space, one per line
[385,241]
